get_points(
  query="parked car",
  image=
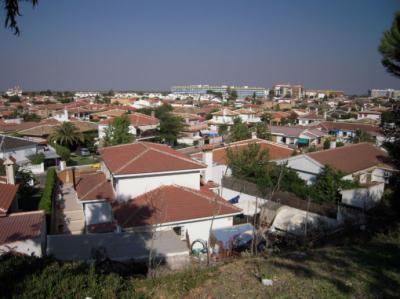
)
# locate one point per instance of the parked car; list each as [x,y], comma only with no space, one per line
[84,151]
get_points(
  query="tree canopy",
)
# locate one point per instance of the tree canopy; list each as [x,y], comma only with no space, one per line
[390,47]
[66,135]
[118,132]
[239,131]
[12,9]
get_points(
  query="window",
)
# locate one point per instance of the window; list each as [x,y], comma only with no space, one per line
[180,231]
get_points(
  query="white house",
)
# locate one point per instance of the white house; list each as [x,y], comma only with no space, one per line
[372,115]
[158,186]
[222,117]
[362,162]
[23,233]
[17,148]
[248,115]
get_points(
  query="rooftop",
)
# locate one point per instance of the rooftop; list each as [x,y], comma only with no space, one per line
[21,226]
[145,157]
[171,203]
[352,158]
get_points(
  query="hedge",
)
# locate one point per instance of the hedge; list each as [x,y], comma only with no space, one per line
[45,202]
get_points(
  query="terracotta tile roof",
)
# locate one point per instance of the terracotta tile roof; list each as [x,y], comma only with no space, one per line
[245,111]
[94,186]
[145,157]
[331,125]
[136,120]
[226,112]
[46,128]
[21,226]
[11,127]
[171,203]
[7,195]
[276,151]
[352,158]
[110,113]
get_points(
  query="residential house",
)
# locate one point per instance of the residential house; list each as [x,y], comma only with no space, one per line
[222,117]
[370,115]
[193,129]
[22,232]
[346,131]
[141,125]
[296,136]
[248,116]
[309,119]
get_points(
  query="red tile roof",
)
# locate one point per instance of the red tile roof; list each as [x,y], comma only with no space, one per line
[330,125]
[171,203]
[276,151]
[352,158]
[7,195]
[21,226]
[145,157]
[136,120]
[94,186]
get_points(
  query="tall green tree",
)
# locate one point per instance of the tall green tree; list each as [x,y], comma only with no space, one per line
[328,184]
[390,47]
[66,135]
[118,132]
[239,131]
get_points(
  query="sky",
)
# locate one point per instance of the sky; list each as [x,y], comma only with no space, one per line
[153,45]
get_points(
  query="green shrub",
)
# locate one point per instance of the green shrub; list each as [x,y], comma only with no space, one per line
[45,201]
[37,158]
[63,152]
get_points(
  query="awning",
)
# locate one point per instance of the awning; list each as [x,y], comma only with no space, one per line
[302,141]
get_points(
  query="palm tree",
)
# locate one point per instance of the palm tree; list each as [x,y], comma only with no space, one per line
[66,135]
[390,47]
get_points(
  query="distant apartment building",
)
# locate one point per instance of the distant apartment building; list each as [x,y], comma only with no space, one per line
[298,91]
[16,91]
[321,94]
[384,93]
[283,90]
[242,91]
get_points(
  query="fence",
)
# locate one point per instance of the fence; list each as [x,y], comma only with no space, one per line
[284,198]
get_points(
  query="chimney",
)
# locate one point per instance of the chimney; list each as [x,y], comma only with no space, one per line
[153,113]
[253,135]
[65,114]
[208,160]
[10,175]
[325,115]
[332,144]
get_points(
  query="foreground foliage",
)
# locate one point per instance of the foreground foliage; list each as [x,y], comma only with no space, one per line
[358,268]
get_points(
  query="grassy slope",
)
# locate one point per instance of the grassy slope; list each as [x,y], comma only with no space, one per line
[366,270]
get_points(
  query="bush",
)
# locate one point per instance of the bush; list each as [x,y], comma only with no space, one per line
[46,200]
[63,152]
[37,158]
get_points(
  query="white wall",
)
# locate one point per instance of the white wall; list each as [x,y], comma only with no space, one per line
[305,168]
[128,187]
[363,197]
[246,202]
[33,246]
[97,212]
[200,229]
[20,154]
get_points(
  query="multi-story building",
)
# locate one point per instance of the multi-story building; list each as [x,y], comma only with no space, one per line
[384,93]
[242,91]
[283,90]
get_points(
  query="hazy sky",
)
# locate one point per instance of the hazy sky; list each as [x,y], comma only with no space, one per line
[152,45]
